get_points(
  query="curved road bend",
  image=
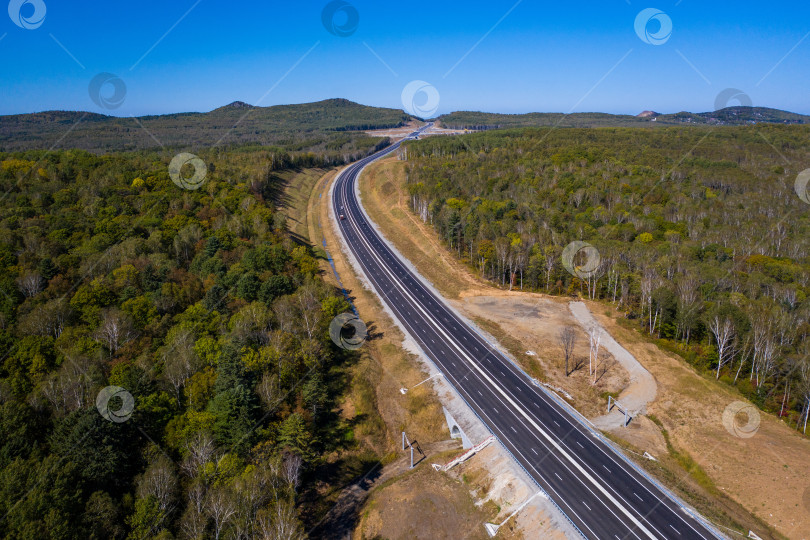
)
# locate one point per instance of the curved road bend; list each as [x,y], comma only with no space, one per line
[603,496]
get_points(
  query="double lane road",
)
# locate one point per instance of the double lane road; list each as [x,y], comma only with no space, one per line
[601,494]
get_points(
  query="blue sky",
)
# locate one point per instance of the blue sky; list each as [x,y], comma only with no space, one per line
[542,56]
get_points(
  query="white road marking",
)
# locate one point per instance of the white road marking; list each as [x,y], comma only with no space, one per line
[586,506]
[637,497]
[535,452]
[674,529]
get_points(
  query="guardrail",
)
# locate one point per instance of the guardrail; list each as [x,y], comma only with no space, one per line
[465,456]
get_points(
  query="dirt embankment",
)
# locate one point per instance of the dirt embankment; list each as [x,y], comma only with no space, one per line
[759,483]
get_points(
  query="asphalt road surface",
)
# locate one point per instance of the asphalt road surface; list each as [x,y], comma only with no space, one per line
[600,493]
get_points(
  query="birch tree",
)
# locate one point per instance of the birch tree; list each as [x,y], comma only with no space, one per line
[722,328]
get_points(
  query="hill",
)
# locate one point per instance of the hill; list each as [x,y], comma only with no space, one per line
[736,116]
[318,127]
[732,116]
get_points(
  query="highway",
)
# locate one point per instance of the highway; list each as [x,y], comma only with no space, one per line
[598,491]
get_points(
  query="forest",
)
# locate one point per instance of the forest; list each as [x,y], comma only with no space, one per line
[198,305]
[700,233]
[332,129]
[731,116]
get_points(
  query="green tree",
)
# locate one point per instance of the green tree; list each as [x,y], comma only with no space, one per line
[295,436]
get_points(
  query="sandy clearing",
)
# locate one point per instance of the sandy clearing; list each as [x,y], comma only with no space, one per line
[400,133]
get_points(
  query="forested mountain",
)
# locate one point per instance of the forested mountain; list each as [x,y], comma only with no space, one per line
[732,116]
[330,128]
[703,240]
[195,303]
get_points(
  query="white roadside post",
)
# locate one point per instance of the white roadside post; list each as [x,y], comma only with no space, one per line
[404,390]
